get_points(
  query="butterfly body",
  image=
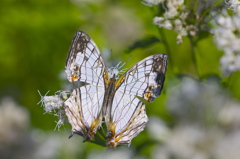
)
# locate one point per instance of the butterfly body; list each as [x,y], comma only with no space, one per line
[108,96]
[110,90]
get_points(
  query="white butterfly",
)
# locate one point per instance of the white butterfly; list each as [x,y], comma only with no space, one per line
[108,97]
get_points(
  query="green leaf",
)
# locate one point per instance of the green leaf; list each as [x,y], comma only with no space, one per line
[142,43]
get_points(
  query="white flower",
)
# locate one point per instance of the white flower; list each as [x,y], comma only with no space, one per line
[229,115]
[161,22]
[228,146]
[186,142]
[227,38]
[183,32]
[179,39]
[184,15]
[174,18]
[171,13]
[150,3]
[158,21]
[14,121]
[54,104]
[190,99]
[119,153]
[167,24]
[157,129]
[174,8]
[192,30]
[178,24]
[233,4]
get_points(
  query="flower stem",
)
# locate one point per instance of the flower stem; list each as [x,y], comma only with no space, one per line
[194,56]
[168,50]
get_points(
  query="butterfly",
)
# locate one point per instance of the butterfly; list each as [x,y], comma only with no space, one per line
[109,97]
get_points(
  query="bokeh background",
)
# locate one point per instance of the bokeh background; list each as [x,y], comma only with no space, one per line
[196,117]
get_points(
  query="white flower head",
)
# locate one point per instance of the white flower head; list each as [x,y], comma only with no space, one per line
[167,24]
[54,104]
[174,8]
[157,129]
[158,20]
[227,38]
[192,30]
[162,22]
[238,10]
[174,18]
[179,39]
[178,25]
[150,3]
[233,4]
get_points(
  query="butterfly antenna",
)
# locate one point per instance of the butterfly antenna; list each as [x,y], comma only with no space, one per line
[126,62]
[123,63]
[111,55]
[129,58]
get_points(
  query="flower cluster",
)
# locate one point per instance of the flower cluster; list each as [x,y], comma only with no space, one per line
[150,3]
[31,142]
[233,4]
[54,104]
[208,128]
[183,96]
[174,18]
[227,38]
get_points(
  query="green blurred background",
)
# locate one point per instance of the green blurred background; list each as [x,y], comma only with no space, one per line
[35,37]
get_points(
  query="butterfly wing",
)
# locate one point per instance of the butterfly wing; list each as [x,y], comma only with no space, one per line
[146,78]
[84,62]
[126,119]
[127,116]
[83,109]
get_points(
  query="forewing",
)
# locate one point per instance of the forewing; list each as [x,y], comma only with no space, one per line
[146,78]
[126,119]
[83,109]
[84,62]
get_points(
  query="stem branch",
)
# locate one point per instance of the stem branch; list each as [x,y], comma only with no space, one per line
[194,56]
[167,48]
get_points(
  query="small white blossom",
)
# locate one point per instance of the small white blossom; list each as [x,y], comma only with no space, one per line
[208,96]
[229,115]
[54,104]
[192,30]
[157,129]
[227,38]
[150,3]
[179,39]
[158,21]
[233,4]
[183,32]
[167,24]
[178,24]
[171,13]
[184,15]
[161,22]
[174,18]
[110,154]
[174,6]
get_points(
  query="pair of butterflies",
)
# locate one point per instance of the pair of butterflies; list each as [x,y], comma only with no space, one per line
[109,97]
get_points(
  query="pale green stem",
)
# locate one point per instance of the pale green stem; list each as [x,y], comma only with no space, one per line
[194,56]
[167,48]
